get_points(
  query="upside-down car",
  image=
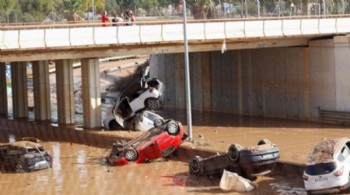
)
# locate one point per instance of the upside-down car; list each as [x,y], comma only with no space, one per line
[247,162]
[160,141]
[24,156]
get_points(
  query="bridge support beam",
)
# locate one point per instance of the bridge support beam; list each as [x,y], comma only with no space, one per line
[19,89]
[91,93]
[65,91]
[3,91]
[41,84]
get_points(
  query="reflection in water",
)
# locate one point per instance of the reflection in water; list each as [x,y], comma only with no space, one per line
[82,169]
[56,166]
[12,138]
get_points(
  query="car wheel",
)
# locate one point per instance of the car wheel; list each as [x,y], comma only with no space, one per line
[264,141]
[130,154]
[152,103]
[172,128]
[113,124]
[234,152]
[158,122]
[195,165]
[21,167]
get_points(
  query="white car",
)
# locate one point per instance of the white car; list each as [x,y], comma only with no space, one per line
[145,121]
[328,167]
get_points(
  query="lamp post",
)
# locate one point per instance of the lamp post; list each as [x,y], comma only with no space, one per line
[93,9]
[187,74]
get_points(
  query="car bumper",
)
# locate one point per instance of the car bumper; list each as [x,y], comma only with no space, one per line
[39,165]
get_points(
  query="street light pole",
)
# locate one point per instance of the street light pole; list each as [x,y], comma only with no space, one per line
[187,75]
[93,9]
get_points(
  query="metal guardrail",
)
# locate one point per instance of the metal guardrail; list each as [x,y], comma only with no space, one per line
[335,117]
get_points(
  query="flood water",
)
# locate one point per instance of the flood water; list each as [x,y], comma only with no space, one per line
[81,169]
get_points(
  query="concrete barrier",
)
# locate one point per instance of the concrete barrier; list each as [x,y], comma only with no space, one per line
[10,39]
[215,30]
[105,35]
[152,33]
[273,28]
[81,36]
[129,35]
[32,38]
[254,29]
[309,26]
[57,37]
[291,27]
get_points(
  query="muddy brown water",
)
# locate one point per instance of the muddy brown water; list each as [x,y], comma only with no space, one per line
[79,165]
[81,169]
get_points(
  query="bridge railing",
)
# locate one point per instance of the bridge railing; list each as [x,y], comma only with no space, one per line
[98,36]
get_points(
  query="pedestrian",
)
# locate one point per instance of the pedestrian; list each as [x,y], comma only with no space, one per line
[104,18]
[129,17]
[116,19]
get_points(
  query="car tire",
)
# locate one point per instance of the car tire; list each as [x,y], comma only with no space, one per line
[158,122]
[21,167]
[264,141]
[152,103]
[172,128]
[113,125]
[195,165]
[130,154]
[234,152]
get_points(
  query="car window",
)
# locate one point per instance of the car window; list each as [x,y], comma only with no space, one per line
[150,116]
[344,153]
[320,168]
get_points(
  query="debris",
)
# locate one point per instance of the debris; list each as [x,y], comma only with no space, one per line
[233,182]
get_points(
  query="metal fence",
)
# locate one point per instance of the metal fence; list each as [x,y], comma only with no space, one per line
[264,8]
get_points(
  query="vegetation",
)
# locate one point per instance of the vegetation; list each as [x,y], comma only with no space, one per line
[24,11]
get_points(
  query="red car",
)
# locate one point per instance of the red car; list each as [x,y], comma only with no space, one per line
[159,141]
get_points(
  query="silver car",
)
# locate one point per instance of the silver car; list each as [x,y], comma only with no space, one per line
[144,121]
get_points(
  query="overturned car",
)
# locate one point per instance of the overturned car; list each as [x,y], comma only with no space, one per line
[160,141]
[23,156]
[247,162]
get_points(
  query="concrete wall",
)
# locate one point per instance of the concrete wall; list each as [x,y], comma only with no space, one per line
[270,82]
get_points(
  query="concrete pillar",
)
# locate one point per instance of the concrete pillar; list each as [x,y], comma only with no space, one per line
[41,82]
[65,91]
[3,91]
[19,89]
[91,93]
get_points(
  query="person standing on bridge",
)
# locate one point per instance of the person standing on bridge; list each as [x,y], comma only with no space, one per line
[129,17]
[104,18]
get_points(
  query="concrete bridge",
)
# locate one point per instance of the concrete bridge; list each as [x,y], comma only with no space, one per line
[276,67]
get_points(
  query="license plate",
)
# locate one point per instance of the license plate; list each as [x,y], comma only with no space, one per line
[321,179]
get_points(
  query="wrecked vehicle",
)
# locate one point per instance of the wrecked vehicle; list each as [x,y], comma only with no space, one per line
[248,162]
[157,142]
[145,121]
[328,167]
[142,94]
[24,156]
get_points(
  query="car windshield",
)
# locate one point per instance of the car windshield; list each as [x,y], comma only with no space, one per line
[151,116]
[321,168]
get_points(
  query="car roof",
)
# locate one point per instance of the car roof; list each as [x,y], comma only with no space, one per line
[326,150]
[24,144]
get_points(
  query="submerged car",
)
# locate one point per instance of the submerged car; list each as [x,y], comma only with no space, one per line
[145,121]
[23,156]
[158,142]
[328,167]
[247,162]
